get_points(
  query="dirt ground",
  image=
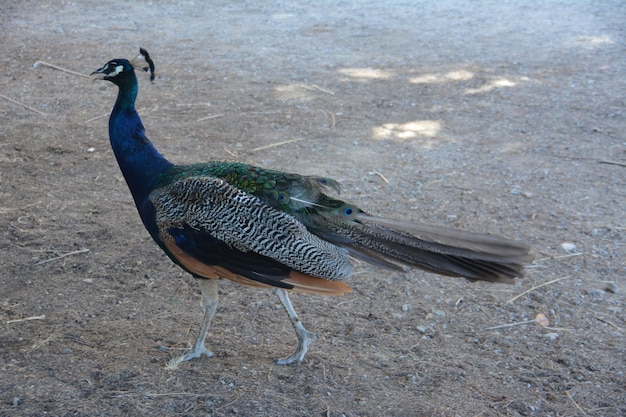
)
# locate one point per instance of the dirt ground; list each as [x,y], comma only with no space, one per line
[502,117]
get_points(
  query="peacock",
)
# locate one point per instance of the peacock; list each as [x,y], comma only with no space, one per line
[272,229]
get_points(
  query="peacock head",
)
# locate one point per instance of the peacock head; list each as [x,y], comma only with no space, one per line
[117,70]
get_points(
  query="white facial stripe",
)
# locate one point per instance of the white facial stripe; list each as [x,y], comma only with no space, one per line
[118,70]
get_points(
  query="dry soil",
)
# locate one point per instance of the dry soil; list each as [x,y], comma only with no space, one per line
[501,117]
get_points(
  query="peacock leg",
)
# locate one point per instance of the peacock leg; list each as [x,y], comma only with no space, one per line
[208,288]
[304,336]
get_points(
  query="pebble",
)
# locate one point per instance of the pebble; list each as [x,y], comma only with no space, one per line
[517,191]
[551,336]
[568,247]
[439,313]
[422,329]
[208,406]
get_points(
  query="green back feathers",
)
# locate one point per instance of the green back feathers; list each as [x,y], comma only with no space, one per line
[298,195]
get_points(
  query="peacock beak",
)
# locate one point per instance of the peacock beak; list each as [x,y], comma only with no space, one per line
[98,74]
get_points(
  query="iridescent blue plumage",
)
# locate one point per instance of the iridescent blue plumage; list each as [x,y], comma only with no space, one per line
[141,164]
[273,229]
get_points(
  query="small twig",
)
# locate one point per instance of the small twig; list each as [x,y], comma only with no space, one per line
[56,67]
[230,152]
[333,121]
[538,286]
[232,402]
[96,118]
[527,322]
[323,90]
[609,323]
[215,116]
[431,183]
[612,163]
[40,343]
[42,317]
[575,403]
[79,341]
[174,362]
[76,252]
[317,87]
[382,177]
[23,105]
[345,302]
[9,209]
[569,255]
[260,148]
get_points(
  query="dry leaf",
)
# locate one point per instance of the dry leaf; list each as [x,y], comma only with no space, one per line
[542,320]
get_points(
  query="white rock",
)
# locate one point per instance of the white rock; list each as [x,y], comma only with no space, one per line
[568,247]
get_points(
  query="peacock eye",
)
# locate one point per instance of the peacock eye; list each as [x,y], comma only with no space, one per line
[114,69]
[347,211]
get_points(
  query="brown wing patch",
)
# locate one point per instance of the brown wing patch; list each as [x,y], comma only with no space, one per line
[302,283]
[313,285]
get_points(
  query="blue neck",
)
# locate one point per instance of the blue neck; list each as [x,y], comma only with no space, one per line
[140,162]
